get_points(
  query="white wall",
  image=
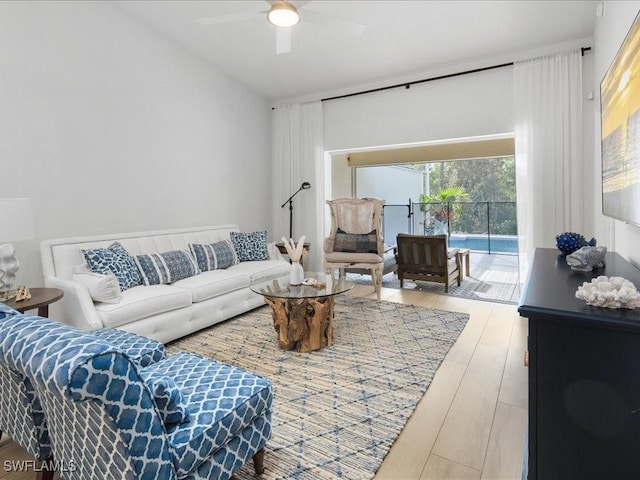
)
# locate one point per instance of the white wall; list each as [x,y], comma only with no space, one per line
[610,32]
[108,127]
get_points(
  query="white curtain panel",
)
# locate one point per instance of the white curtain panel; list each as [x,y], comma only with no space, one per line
[298,157]
[548,141]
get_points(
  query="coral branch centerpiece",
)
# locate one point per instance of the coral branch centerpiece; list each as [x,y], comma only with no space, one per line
[295,252]
[609,292]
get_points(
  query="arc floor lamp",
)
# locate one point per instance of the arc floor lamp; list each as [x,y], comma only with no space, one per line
[304,186]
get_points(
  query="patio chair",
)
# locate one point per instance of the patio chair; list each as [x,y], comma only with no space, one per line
[355,240]
[427,258]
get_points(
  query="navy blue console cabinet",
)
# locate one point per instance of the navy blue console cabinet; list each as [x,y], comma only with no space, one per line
[584,375]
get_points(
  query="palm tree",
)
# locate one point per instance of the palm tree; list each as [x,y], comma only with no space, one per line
[442,214]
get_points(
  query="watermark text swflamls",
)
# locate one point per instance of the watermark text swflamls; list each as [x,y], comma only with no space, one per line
[35,466]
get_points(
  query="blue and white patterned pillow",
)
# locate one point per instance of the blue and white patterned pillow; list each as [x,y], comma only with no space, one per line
[171,403]
[214,255]
[250,246]
[115,259]
[167,267]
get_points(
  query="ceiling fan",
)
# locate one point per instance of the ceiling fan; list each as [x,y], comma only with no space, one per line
[286,15]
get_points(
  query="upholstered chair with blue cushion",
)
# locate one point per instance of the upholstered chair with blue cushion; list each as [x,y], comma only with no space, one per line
[21,415]
[182,417]
[355,241]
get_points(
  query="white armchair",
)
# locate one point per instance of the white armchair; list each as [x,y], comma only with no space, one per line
[355,240]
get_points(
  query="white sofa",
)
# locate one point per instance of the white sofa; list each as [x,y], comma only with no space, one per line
[160,312]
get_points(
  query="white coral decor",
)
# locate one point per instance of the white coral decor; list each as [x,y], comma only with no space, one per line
[609,292]
[295,251]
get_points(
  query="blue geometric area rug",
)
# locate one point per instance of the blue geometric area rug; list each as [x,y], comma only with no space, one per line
[337,411]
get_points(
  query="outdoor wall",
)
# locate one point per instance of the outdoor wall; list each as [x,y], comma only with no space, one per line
[396,185]
[109,127]
[610,32]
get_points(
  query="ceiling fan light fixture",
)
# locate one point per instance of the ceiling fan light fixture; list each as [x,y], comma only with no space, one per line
[283,14]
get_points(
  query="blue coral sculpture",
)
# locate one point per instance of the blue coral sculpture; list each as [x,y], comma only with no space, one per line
[569,242]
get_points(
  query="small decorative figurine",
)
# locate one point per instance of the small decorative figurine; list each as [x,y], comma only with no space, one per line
[569,242]
[22,293]
[609,292]
[587,258]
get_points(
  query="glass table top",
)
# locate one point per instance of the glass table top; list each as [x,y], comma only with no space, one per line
[316,284]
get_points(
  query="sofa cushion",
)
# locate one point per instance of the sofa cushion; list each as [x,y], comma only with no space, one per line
[213,283]
[214,255]
[263,268]
[348,257]
[166,267]
[222,401]
[356,242]
[115,259]
[142,302]
[102,287]
[250,246]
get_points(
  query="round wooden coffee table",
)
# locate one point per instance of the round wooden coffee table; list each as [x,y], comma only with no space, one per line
[41,298]
[302,314]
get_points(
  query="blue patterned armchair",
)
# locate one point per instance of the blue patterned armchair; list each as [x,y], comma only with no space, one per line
[108,418]
[21,414]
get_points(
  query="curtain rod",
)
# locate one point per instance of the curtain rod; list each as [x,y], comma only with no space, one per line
[407,85]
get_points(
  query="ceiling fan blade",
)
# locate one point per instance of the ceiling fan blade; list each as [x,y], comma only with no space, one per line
[283,40]
[234,17]
[348,27]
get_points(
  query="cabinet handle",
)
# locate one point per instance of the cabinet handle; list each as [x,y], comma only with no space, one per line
[526,358]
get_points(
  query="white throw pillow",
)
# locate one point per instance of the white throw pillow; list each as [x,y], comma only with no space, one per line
[102,288]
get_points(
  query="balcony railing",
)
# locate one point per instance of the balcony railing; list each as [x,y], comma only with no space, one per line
[480,226]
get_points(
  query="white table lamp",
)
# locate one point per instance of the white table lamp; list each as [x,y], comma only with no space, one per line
[16,223]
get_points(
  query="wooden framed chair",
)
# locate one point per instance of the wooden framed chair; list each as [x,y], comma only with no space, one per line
[355,240]
[427,258]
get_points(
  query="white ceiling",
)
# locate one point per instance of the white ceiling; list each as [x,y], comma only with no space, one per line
[401,38]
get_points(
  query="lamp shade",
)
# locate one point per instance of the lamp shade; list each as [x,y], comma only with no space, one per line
[16,222]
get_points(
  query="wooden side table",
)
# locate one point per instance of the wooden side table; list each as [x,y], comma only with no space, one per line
[41,298]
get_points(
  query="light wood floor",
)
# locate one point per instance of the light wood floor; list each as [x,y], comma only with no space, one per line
[470,424]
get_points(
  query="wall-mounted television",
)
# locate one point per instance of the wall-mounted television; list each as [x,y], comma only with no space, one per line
[620,131]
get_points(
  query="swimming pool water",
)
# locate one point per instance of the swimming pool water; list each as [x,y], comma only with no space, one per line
[478,243]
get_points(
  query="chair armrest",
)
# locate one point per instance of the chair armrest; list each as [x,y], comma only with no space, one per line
[76,306]
[451,252]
